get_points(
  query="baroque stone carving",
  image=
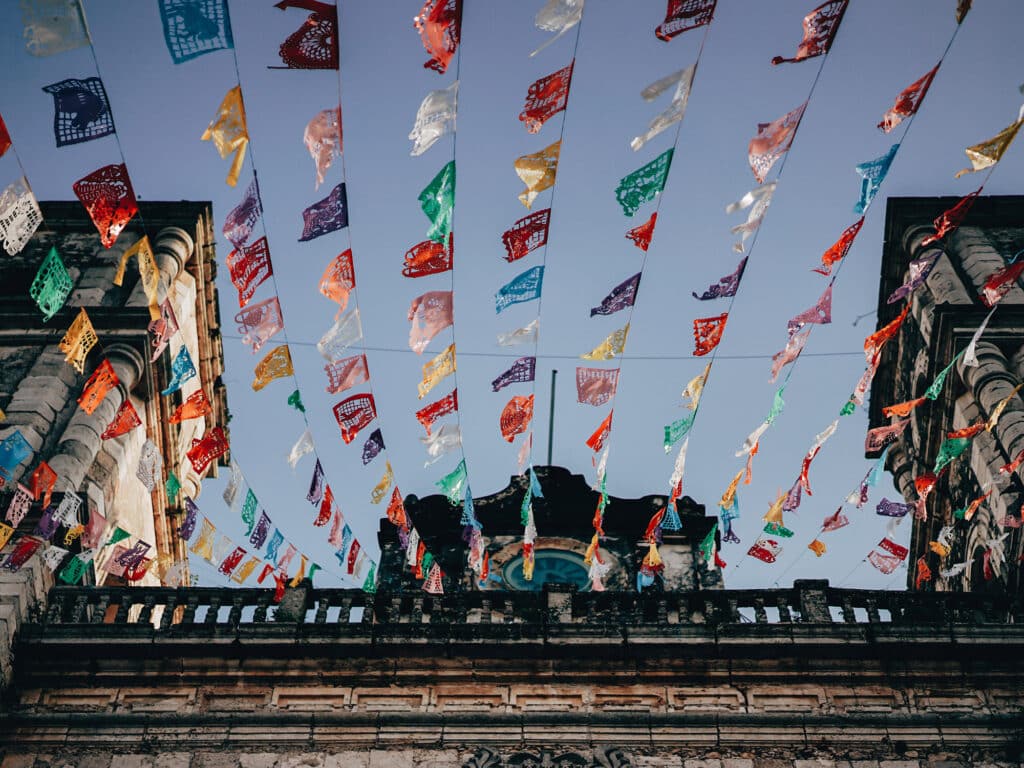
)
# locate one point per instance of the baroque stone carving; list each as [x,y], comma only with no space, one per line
[605,757]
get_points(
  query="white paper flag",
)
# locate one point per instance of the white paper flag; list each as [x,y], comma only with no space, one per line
[525,335]
[20,216]
[971,354]
[760,199]
[302,446]
[435,118]
[558,16]
[442,441]
[674,112]
[346,331]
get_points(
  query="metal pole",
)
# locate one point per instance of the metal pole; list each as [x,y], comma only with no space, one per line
[551,416]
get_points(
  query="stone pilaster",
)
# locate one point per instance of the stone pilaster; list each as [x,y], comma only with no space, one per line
[80,443]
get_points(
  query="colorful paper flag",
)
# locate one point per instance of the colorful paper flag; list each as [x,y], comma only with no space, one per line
[516,416]
[229,132]
[325,216]
[438,203]
[521,371]
[596,386]
[683,15]
[872,174]
[439,24]
[109,200]
[249,267]
[323,140]
[195,27]
[546,97]
[81,111]
[537,171]
[429,314]
[820,27]
[434,119]
[644,184]
[522,288]
[909,100]
[437,369]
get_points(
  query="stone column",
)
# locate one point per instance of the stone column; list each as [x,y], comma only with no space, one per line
[172,248]
[78,446]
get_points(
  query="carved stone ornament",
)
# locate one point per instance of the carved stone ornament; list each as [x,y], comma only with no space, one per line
[603,757]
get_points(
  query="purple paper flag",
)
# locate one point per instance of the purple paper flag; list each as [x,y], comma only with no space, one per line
[726,286]
[820,313]
[239,223]
[328,215]
[888,508]
[623,295]
[373,446]
[522,370]
[316,485]
[259,534]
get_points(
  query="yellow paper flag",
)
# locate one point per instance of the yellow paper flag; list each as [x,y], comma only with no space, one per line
[538,171]
[993,418]
[437,369]
[229,132]
[381,489]
[696,387]
[988,153]
[275,365]
[245,570]
[730,493]
[80,338]
[610,347]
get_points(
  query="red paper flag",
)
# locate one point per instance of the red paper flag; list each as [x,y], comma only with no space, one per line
[1013,466]
[893,548]
[924,573]
[527,234]
[546,97]
[909,101]
[439,24]
[970,431]
[109,199]
[1000,283]
[396,510]
[885,563]
[213,444]
[326,505]
[840,248]
[642,234]
[314,45]
[596,386]
[953,218]
[249,267]
[125,420]
[707,333]
[765,550]
[873,344]
[353,414]
[682,15]
[429,258]
[103,380]
[5,137]
[515,416]
[42,483]
[820,27]
[431,413]
[596,441]
[232,561]
[353,556]
[194,406]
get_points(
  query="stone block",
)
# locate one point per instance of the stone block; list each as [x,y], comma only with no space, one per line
[864,763]
[436,758]
[136,761]
[898,764]
[19,760]
[656,761]
[173,760]
[380,758]
[819,762]
[688,763]
[257,759]
[345,760]
[302,760]
[215,760]
[737,762]
[94,760]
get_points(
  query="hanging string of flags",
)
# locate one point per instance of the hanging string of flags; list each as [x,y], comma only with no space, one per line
[82,113]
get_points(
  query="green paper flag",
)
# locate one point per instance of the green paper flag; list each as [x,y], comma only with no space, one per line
[777,405]
[438,202]
[52,285]
[370,582]
[428,560]
[849,408]
[295,401]
[249,510]
[172,486]
[525,508]
[778,529]
[707,546]
[72,572]
[452,484]
[678,429]
[312,569]
[119,534]
[935,389]
[949,450]
[644,184]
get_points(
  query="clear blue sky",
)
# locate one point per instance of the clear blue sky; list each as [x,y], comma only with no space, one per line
[161,110]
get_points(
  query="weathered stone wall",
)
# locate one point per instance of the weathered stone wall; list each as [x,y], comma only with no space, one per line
[545,751]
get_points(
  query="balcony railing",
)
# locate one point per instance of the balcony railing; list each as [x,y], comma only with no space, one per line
[552,610]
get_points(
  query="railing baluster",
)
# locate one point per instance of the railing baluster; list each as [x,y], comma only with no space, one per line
[760,614]
[146,615]
[170,606]
[785,617]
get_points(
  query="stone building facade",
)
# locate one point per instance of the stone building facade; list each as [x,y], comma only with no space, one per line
[39,390]
[945,313]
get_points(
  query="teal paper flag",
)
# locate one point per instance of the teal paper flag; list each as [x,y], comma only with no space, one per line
[644,184]
[52,285]
[525,287]
[950,449]
[438,202]
[872,174]
[453,483]
[933,392]
[678,429]
[182,370]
